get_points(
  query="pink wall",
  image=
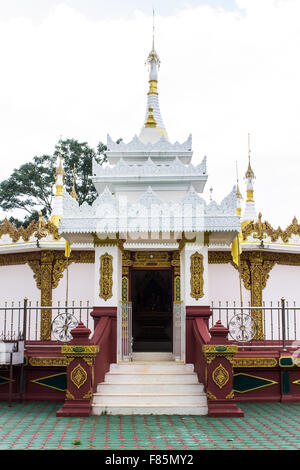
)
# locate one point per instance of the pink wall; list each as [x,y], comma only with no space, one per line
[224,289]
[17,282]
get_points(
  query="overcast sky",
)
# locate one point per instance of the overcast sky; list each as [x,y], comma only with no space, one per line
[228,68]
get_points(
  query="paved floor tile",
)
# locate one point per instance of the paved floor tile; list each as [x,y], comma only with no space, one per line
[34,426]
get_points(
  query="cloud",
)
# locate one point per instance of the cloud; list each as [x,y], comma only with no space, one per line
[223,74]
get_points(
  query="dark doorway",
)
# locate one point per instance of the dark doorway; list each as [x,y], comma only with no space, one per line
[151,295]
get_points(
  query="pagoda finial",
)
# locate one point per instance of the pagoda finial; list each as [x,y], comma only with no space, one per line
[153,56]
[250,211]
[249,172]
[153,62]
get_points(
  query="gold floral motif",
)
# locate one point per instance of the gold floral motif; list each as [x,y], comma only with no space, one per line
[48,361]
[106,281]
[259,228]
[58,269]
[230,395]
[220,376]
[160,259]
[79,351]
[210,395]
[78,376]
[69,395]
[212,351]
[6,228]
[254,362]
[87,395]
[197,276]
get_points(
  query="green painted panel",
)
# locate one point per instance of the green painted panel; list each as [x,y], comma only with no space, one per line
[245,382]
[57,381]
[285,382]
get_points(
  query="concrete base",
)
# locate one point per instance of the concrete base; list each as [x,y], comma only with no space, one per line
[229,410]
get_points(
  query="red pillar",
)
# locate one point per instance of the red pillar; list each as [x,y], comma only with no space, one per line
[219,353]
[80,354]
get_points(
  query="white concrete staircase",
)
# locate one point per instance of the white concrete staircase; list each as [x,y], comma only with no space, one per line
[150,385]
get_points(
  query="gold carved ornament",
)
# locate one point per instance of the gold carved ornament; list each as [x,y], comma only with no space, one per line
[78,376]
[220,376]
[254,362]
[106,280]
[258,228]
[212,351]
[37,228]
[159,259]
[196,281]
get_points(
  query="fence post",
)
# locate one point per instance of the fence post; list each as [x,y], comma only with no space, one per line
[25,319]
[80,356]
[219,353]
[283,324]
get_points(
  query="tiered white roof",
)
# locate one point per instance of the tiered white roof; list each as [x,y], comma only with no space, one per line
[150,185]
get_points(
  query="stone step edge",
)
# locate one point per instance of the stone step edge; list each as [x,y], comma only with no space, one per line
[175,405]
[150,373]
[192,394]
[150,383]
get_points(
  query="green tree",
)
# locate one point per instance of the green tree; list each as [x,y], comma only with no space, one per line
[29,188]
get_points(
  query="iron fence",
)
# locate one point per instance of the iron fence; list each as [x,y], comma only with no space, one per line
[277,325]
[23,319]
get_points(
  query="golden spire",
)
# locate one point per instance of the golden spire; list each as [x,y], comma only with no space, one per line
[249,172]
[60,170]
[150,120]
[73,193]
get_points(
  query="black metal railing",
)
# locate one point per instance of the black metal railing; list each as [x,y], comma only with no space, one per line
[23,319]
[276,325]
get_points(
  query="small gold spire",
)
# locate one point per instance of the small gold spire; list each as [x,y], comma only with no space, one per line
[73,193]
[150,120]
[249,172]
[238,192]
[60,170]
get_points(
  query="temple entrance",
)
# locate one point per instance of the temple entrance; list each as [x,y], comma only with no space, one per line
[151,295]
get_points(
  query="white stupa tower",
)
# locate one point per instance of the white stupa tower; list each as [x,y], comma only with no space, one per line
[153,119]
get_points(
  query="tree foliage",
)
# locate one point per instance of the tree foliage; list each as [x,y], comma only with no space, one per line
[29,188]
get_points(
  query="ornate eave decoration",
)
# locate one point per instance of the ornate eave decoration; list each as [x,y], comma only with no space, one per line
[39,229]
[261,230]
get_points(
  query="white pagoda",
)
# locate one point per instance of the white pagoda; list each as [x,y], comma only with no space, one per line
[150,229]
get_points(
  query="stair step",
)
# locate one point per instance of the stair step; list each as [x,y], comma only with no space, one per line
[150,387]
[157,367]
[179,388]
[150,356]
[149,399]
[134,377]
[194,410]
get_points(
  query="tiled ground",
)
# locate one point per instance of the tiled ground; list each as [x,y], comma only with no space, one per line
[34,426]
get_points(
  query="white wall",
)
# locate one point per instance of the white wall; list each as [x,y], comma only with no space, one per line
[17,282]
[224,290]
[80,285]
[284,281]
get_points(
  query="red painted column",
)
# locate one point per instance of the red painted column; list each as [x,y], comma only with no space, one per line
[80,354]
[219,353]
